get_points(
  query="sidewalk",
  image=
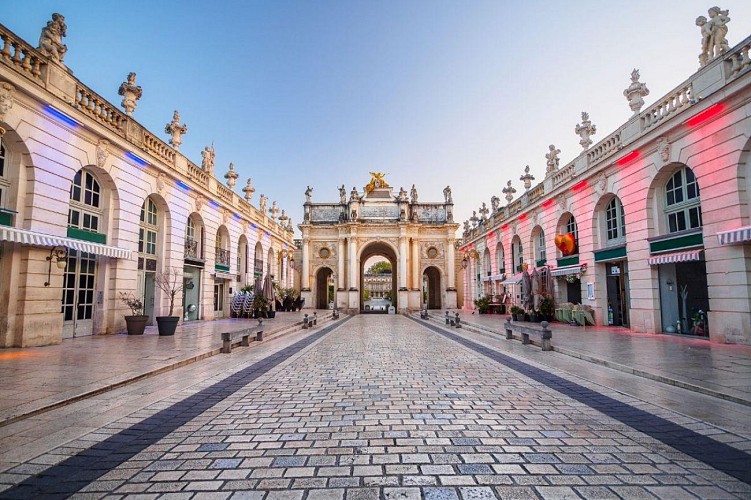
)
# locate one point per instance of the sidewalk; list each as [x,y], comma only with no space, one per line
[37,379]
[719,370]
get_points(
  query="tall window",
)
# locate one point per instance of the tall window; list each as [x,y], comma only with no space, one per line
[519,255]
[486,259]
[147,233]
[541,246]
[682,204]
[572,228]
[85,198]
[615,220]
[500,259]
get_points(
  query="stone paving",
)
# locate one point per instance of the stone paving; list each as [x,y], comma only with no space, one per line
[721,370]
[383,407]
[43,377]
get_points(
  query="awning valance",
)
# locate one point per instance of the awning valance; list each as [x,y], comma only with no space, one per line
[671,258]
[738,235]
[513,280]
[221,275]
[27,237]
[566,270]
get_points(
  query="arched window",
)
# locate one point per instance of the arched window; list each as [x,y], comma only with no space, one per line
[222,248]
[258,261]
[147,235]
[540,244]
[85,198]
[486,262]
[517,254]
[682,204]
[615,221]
[572,228]
[500,259]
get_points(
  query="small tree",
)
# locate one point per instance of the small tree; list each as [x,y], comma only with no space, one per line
[170,281]
[135,304]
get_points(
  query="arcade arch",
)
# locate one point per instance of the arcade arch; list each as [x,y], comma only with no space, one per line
[384,250]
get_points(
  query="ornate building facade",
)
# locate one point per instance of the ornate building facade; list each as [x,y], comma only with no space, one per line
[417,238]
[93,204]
[649,227]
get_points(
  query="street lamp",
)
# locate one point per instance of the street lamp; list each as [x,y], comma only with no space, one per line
[60,254]
[465,262]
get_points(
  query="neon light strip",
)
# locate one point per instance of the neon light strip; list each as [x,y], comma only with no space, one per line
[52,110]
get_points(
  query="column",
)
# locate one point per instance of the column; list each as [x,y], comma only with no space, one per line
[352,262]
[402,263]
[451,281]
[340,265]
[305,278]
[415,264]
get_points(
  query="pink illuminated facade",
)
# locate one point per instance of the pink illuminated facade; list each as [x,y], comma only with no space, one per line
[659,212]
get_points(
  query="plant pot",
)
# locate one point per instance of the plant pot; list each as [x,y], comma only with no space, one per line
[167,325]
[136,324]
[271,314]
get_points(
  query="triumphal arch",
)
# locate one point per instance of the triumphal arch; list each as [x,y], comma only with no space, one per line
[416,237]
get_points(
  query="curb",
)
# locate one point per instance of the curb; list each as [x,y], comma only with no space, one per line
[280,332]
[611,364]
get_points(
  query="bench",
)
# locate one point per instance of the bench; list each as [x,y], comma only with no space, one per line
[545,334]
[229,338]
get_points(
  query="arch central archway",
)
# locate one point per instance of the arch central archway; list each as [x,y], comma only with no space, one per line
[379,249]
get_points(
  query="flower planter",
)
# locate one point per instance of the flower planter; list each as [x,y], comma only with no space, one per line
[136,324]
[167,325]
[271,314]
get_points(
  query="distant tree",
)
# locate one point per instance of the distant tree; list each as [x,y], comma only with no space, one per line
[366,294]
[383,267]
[388,296]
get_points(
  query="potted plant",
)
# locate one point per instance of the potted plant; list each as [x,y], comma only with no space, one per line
[547,309]
[170,281]
[518,313]
[483,304]
[533,316]
[136,322]
[260,306]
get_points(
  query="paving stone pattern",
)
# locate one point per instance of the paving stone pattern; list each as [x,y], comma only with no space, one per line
[383,407]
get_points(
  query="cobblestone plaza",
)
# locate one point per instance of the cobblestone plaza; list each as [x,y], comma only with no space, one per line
[386,407]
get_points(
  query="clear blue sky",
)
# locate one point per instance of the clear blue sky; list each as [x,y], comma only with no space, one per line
[432,92]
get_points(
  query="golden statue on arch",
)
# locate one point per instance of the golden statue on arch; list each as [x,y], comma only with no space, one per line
[376,181]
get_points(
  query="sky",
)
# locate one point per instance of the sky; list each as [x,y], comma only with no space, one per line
[433,93]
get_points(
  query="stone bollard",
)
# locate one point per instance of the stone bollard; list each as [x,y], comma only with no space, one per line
[509,333]
[448,320]
[305,322]
[547,335]
[226,343]
[458,321]
[335,314]
[259,333]
[315,318]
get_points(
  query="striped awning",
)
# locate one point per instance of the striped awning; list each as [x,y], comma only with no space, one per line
[740,235]
[27,237]
[566,270]
[670,258]
[513,280]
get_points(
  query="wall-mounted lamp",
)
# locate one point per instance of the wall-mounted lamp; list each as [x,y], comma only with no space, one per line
[465,263]
[291,262]
[60,254]
[670,284]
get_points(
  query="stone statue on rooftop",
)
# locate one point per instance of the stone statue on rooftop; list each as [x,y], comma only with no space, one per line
[130,92]
[466,226]
[552,160]
[413,194]
[402,194]
[308,194]
[51,40]
[495,203]
[176,130]
[376,181]
[353,195]
[483,212]
[274,210]
[447,194]
[343,195]
[249,190]
[262,203]
[207,159]
[713,34]
[636,92]
[584,131]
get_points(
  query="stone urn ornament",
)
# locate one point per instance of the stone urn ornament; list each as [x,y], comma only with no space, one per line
[231,176]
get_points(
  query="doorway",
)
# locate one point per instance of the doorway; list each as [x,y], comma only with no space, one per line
[78,294]
[219,299]
[617,291]
[431,288]
[378,278]
[324,288]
